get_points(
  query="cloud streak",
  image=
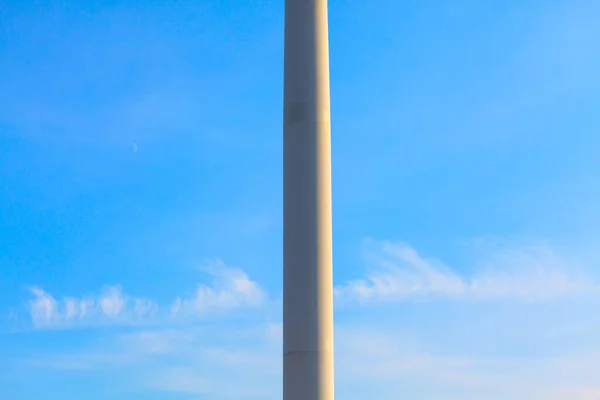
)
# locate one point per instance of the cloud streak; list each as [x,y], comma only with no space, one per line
[110,306]
[519,352]
[231,288]
[384,362]
[527,273]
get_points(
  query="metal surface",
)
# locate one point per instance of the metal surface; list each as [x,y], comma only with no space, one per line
[308,281]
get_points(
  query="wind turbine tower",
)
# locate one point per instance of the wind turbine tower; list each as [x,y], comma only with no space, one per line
[307,238]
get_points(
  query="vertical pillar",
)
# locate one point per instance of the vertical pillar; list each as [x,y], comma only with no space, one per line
[307,244]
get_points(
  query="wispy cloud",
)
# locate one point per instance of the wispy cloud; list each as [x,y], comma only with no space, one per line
[231,288]
[110,306]
[383,361]
[529,272]
[190,360]
[379,358]
[398,273]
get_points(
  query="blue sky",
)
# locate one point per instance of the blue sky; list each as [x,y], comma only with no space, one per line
[140,199]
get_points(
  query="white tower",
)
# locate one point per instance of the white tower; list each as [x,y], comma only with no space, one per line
[307,243]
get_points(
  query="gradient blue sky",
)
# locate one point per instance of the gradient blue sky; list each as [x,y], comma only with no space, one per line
[140,199]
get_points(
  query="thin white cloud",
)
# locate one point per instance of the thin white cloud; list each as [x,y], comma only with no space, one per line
[230,288]
[386,366]
[200,360]
[382,362]
[111,305]
[112,302]
[475,357]
[531,273]
[43,307]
